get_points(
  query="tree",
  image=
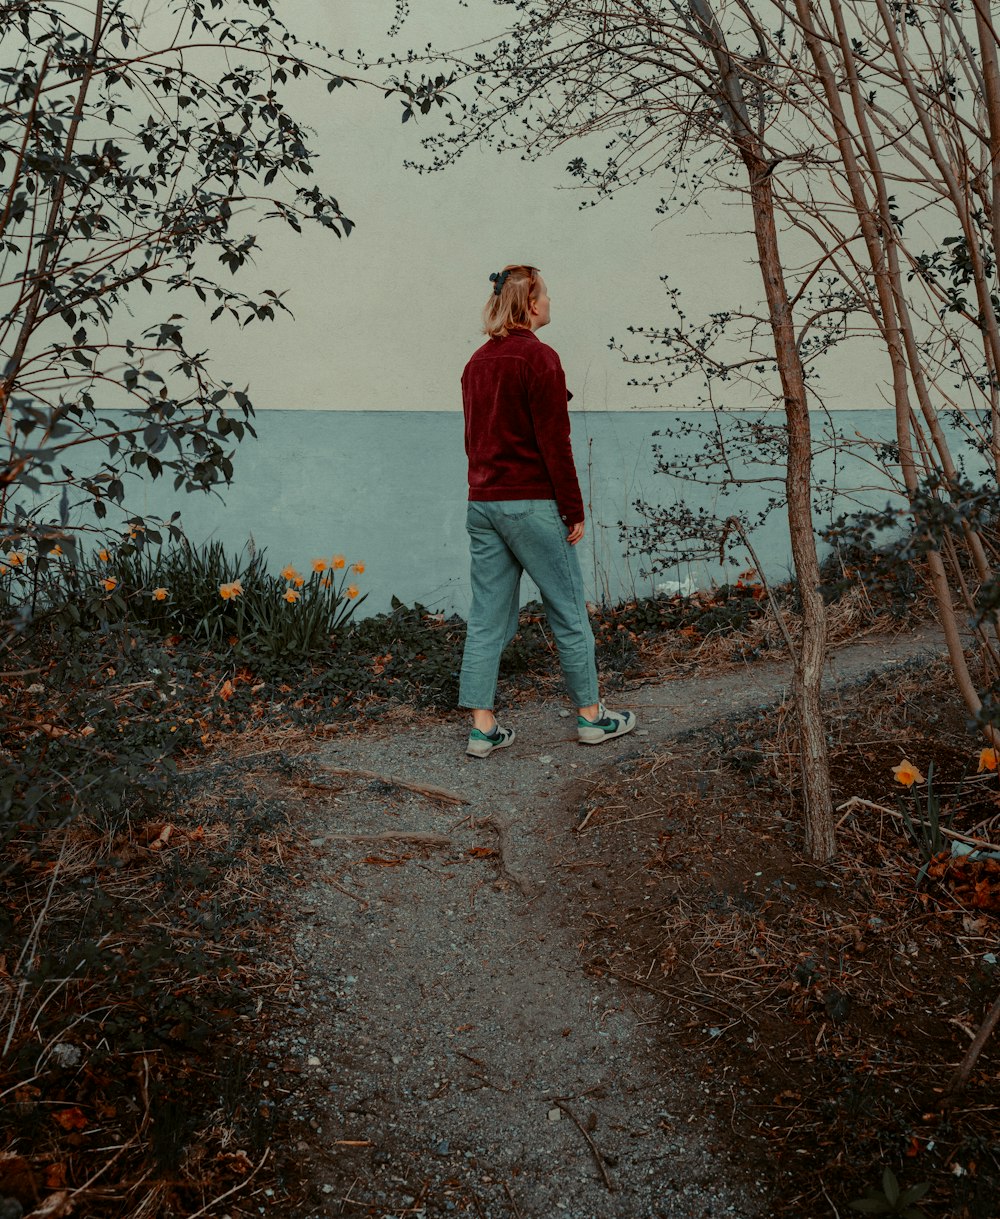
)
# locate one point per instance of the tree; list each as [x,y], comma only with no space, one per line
[141,147]
[137,150]
[913,93]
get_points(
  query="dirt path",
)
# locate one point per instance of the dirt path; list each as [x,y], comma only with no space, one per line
[458,1059]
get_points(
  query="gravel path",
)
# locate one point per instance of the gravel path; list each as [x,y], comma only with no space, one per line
[458,1058]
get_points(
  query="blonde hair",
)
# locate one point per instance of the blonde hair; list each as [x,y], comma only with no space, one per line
[509,309]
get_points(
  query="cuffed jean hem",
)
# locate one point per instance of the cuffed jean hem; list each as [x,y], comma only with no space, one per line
[507,537]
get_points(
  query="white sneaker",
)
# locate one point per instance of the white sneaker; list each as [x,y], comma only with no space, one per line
[607,725]
[482,744]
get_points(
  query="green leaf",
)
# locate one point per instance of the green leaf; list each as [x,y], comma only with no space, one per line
[872,1206]
[890,1186]
[914,1193]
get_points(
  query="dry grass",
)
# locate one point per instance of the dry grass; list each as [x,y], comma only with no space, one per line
[145,946]
[827,1008]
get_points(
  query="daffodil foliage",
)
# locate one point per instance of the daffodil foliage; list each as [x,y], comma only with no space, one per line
[144,152]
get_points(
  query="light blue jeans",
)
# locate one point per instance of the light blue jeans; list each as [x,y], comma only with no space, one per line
[507,537]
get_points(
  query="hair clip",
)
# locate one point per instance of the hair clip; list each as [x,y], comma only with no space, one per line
[498,279]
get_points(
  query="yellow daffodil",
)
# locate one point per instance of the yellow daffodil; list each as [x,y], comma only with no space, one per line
[319,566]
[907,774]
[337,562]
[987,759]
[237,588]
[352,591]
[57,550]
[104,556]
[325,582]
[289,573]
[359,568]
[298,581]
[291,596]
[159,594]
[110,584]
[228,591]
[15,558]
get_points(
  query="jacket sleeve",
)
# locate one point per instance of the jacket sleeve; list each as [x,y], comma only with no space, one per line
[547,402]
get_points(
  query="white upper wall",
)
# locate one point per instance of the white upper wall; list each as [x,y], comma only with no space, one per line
[387,318]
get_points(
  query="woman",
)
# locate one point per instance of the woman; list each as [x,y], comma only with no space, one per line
[525,511]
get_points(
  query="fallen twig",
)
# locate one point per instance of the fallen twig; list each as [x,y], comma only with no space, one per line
[502,831]
[590,1143]
[235,1189]
[422,789]
[961,1076]
[104,1167]
[855,802]
[363,902]
[582,825]
[512,1200]
[678,997]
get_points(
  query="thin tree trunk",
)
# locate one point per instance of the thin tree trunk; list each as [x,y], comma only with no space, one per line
[809,660]
[48,244]
[808,672]
[991,77]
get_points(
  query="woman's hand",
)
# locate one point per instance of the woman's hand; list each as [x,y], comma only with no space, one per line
[575,533]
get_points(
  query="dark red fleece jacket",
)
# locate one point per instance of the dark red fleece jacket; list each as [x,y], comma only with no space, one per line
[517,425]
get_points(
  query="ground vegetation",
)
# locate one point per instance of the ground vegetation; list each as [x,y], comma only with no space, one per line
[143,970]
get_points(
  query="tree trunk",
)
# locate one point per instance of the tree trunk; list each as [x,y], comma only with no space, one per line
[808,674]
[809,660]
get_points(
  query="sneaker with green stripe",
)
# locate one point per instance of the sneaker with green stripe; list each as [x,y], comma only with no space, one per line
[481,744]
[607,725]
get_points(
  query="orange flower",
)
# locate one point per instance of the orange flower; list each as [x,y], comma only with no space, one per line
[289,573]
[104,556]
[237,588]
[3,570]
[907,774]
[228,591]
[291,596]
[298,581]
[15,558]
[325,582]
[359,568]
[110,584]
[57,550]
[160,594]
[352,591]
[319,565]
[337,562]
[987,759]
